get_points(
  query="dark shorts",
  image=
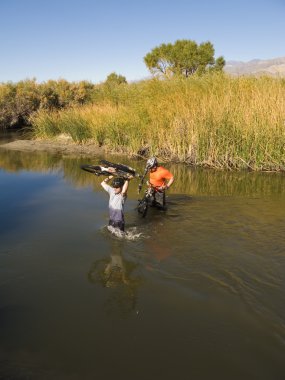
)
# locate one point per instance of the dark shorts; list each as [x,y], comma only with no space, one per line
[158,200]
[117,224]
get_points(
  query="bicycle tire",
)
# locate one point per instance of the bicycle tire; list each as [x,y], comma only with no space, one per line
[121,167]
[97,170]
[94,169]
[143,207]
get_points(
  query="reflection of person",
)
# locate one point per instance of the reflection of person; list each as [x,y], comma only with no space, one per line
[160,179]
[118,194]
[116,274]
[115,271]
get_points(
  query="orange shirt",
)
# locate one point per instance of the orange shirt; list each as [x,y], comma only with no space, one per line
[158,177]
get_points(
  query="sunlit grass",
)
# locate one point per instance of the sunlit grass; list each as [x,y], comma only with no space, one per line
[211,121]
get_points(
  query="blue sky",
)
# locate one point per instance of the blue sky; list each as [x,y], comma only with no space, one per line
[89,39]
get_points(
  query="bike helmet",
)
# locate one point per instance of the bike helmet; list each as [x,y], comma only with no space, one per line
[151,163]
[118,182]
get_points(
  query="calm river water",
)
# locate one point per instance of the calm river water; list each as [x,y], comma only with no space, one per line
[196,292]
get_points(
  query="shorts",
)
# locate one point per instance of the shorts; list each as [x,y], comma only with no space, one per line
[158,199]
[117,224]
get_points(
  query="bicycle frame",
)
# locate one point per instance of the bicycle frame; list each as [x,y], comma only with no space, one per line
[146,201]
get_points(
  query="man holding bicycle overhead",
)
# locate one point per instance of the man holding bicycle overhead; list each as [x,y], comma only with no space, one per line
[117,196]
[160,179]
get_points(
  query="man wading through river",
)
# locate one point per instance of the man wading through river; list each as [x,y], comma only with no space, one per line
[160,179]
[118,195]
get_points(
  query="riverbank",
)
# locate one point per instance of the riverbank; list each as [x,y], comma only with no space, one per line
[60,145]
[211,121]
[66,146]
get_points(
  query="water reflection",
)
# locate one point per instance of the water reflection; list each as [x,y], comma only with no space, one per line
[187,180]
[117,274]
[14,161]
[8,135]
[207,275]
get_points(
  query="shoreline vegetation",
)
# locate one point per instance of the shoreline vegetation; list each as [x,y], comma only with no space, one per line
[214,120]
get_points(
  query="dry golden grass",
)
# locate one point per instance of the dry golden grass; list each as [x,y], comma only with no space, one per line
[213,121]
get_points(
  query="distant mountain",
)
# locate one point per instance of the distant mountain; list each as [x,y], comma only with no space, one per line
[274,67]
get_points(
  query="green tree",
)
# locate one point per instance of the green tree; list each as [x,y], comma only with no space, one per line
[160,59]
[219,64]
[184,57]
[115,79]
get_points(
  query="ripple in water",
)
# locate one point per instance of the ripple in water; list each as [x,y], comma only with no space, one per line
[131,233]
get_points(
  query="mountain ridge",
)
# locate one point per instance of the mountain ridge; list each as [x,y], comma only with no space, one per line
[273,67]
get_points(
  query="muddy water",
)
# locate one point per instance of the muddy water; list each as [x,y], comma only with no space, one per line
[194,292]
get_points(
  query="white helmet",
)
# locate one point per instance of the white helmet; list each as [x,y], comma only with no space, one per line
[151,162]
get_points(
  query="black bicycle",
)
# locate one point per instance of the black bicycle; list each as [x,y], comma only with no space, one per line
[146,201]
[119,167]
[121,170]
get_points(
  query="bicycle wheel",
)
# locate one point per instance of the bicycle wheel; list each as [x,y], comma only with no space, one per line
[119,167]
[143,207]
[94,169]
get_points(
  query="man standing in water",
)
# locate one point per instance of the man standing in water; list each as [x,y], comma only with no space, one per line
[118,194]
[160,179]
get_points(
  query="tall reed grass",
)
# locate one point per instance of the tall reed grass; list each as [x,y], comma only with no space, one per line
[213,121]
